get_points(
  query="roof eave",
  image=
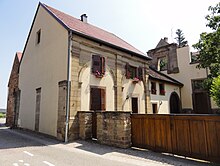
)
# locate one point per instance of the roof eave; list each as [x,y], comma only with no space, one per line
[170,82]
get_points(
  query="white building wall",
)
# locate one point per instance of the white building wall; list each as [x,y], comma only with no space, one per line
[43,65]
[163,101]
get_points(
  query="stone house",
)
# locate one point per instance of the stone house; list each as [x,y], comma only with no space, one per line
[180,64]
[164,93]
[69,65]
[13,92]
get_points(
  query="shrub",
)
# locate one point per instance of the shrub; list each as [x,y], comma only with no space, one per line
[215,90]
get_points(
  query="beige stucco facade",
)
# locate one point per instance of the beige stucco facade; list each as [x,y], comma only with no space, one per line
[44,78]
[163,101]
[118,88]
[43,66]
[188,72]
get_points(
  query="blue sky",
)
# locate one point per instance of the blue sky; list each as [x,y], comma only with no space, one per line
[141,23]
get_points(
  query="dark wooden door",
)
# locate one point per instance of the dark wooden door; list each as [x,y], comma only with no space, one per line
[97,103]
[201,103]
[174,103]
[134,103]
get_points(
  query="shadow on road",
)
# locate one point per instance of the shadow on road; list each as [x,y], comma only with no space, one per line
[15,138]
[92,146]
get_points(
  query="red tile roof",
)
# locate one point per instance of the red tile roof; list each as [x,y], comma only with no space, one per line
[19,55]
[91,31]
[154,74]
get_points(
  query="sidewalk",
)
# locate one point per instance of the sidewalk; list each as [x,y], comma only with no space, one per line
[134,156]
[2,121]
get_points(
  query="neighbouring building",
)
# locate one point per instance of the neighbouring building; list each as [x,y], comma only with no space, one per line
[180,64]
[69,65]
[164,93]
[13,93]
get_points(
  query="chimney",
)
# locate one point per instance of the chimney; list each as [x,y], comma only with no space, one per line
[165,39]
[84,18]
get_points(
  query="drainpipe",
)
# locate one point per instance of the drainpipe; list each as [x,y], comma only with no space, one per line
[68,84]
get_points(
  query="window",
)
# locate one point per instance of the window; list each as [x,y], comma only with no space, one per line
[38,36]
[197,85]
[98,66]
[154,107]
[162,63]
[194,57]
[162,89]
[153,88]
[134,72]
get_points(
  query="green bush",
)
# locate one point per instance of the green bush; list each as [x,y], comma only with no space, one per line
[215,90]
[2,115]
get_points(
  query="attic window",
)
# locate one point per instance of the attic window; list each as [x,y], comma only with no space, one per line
[38,35]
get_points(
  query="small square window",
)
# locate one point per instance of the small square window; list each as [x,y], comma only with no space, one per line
[162,89]
[38,36]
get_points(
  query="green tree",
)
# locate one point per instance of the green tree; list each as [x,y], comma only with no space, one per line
[215,90]
[180,38]
[209,46]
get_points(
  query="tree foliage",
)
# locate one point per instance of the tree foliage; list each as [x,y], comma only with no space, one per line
[209,52]
[215,90]
[180,38]
[209,45]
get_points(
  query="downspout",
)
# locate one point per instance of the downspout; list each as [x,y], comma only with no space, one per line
[68,84]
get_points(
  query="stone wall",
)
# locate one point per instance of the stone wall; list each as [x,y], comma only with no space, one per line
[61,110]
[85,124]
[114,128]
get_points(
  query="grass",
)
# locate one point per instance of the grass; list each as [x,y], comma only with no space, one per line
[2,115]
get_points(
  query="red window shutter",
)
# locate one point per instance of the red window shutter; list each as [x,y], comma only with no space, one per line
[96,63]
[103,65]
[128,71]
[140,73]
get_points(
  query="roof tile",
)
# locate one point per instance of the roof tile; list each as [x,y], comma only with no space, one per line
[92,31]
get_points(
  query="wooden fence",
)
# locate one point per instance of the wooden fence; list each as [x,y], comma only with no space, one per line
[196,136]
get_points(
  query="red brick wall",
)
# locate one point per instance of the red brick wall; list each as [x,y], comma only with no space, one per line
[12,89]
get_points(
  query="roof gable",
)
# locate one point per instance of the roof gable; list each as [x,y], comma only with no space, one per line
[162,43]
[93,32]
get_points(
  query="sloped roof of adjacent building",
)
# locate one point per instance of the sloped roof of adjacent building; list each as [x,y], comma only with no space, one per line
[92,32]
[19,55]
[154,74]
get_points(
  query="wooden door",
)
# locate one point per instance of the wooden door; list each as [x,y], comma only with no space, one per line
[97,103]
[134,104]
[201,103]
[174,103]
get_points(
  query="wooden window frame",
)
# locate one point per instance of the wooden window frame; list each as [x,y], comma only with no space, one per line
[162,89]
[102,101]
[98,65]
[133,72]
[153,88]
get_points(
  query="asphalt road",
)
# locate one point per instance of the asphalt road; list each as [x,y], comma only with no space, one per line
[22,148]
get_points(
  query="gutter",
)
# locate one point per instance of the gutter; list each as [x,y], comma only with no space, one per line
[68,84]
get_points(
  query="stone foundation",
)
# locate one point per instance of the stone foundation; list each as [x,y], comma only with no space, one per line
[114,128]
[85,124]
